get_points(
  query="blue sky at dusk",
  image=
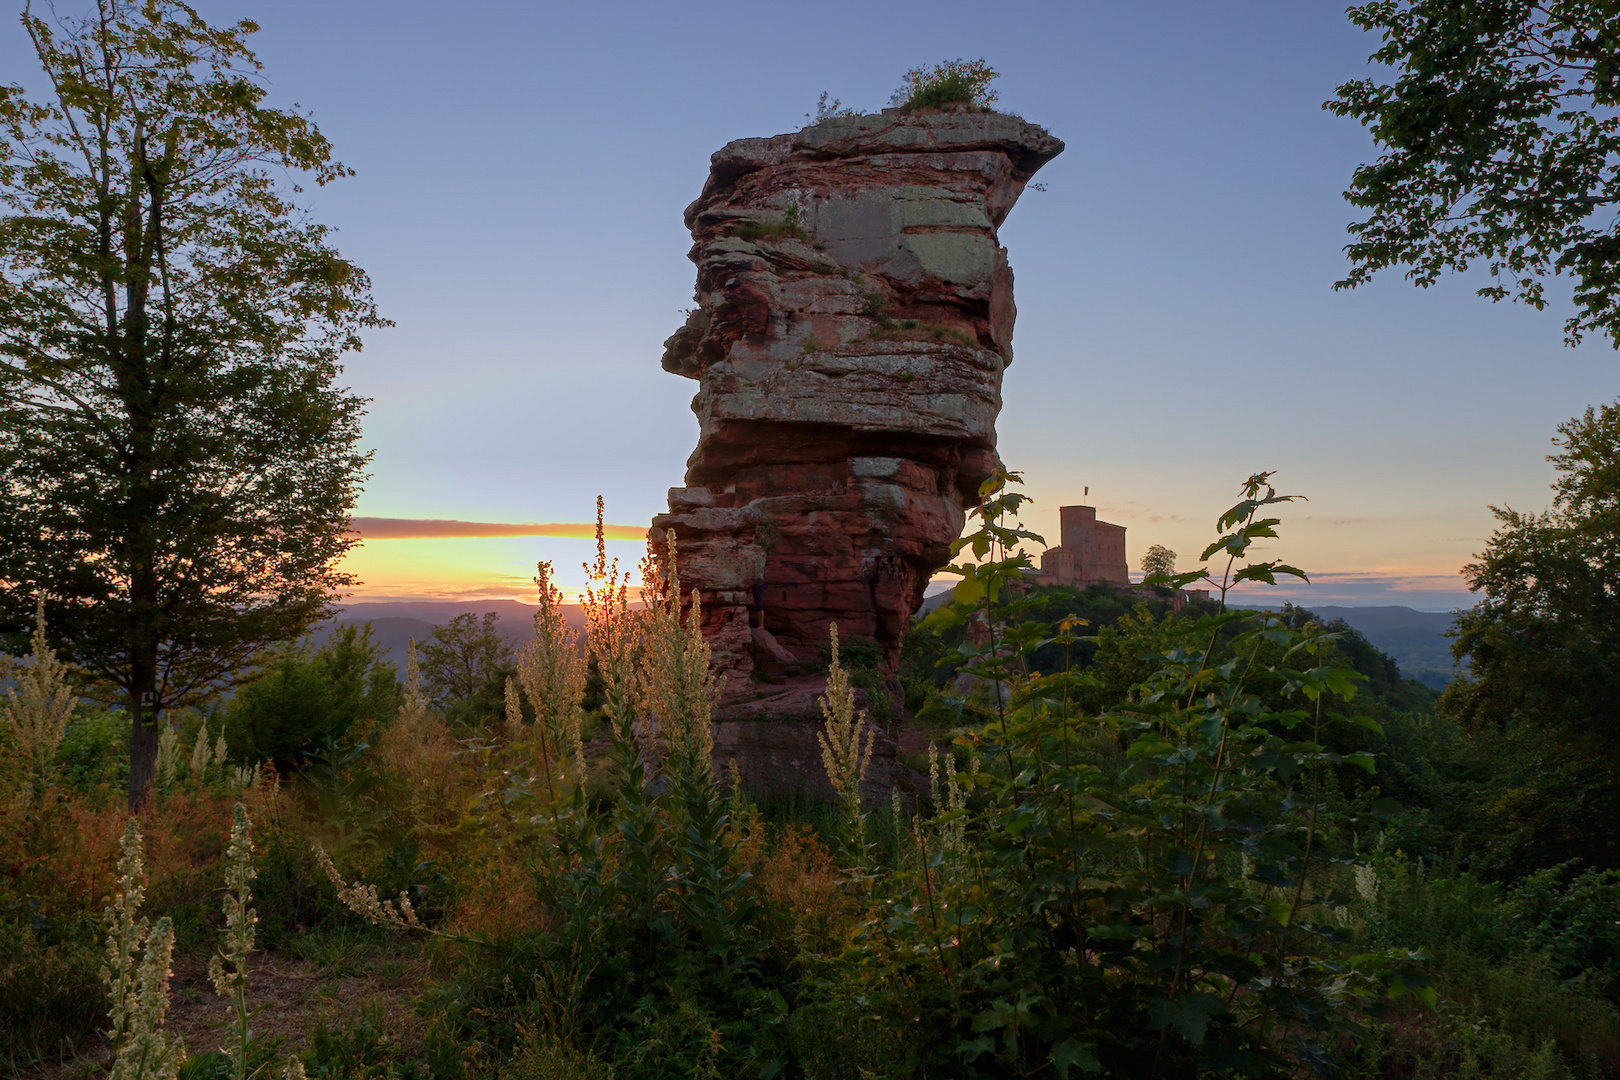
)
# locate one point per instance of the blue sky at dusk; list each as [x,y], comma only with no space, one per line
[522,170]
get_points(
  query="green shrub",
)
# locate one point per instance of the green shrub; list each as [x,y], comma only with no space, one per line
[306,697]
[1174,918]
[363,1049]
[770,230]
[1531,961]
[95,750]
[544,1058]
[51,998]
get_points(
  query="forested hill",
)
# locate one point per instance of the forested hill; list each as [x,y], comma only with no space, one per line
[1416,640]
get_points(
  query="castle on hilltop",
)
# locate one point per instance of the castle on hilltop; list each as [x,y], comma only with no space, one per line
[1092,552]
[1089,551]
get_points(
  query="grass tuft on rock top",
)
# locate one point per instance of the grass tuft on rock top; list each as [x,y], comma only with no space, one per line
[950,84]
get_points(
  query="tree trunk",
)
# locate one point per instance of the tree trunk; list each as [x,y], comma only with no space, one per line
[146,703]
[143,744]
[140,524]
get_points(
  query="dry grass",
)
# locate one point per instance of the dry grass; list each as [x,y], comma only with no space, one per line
[796,875]
[418,753]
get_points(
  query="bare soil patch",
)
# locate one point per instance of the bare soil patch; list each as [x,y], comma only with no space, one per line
[291,996]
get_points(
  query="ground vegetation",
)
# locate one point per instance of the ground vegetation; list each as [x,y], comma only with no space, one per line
[1145,842]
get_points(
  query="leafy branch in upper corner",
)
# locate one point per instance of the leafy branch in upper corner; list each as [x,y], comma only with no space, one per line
[1498,137]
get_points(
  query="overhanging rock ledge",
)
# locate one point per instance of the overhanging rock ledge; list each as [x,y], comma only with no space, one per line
[854,318]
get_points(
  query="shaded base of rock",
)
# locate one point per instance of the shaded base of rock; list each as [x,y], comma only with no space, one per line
[783,757]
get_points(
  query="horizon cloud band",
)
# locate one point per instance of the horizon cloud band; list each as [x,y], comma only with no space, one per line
[376,528]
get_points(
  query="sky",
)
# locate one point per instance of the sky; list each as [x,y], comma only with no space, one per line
[522,169]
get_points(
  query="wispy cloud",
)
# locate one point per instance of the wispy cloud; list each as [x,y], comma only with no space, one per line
[373,528]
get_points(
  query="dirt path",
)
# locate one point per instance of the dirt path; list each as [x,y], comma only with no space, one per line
[292,997]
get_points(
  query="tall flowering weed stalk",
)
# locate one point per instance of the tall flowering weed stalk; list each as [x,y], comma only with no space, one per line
[136,972]
[551,670]
[677,686]
[228,967]
[35,712]
[1171,918]
[639,878]
[948,826]
[846,750]
[414,708]
[398,914]
[200,755]
[167,768]
[137,967]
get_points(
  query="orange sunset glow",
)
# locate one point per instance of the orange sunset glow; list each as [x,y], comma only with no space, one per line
[406,558]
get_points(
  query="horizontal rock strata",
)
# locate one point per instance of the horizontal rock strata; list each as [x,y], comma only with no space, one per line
[855,316]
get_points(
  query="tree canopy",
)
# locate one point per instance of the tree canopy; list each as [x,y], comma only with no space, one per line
[177,459]
[1543,645]
[465,666]
[1499,145]
[1158,561]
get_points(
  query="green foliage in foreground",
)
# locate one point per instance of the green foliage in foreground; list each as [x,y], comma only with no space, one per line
[1177,911]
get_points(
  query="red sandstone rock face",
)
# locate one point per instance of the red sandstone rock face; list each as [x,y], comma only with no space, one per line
[854,318]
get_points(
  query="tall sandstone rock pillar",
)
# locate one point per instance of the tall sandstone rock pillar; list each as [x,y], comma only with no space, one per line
[855,315]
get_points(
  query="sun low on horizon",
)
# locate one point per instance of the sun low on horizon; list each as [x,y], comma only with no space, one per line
[400,559]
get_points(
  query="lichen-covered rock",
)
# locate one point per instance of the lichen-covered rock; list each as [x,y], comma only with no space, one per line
[854,318]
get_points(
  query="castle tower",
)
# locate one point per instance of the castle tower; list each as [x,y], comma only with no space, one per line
[1088,551]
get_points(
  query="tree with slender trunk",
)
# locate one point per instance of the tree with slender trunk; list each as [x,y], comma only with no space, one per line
[177,459]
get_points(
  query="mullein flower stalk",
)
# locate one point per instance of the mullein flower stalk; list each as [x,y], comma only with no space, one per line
[952,797]
[611,629]
[228,966]
[415,706]
[514,707]
[35,711]
[551,668]
[613,633]
[168,758]
[736,791]
[363,900]
[846,748]
[199,754]
[676,685]
[138,992]
[245,778]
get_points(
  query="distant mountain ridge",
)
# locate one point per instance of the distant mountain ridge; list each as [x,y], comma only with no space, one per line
[1415,639]
[395,624]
